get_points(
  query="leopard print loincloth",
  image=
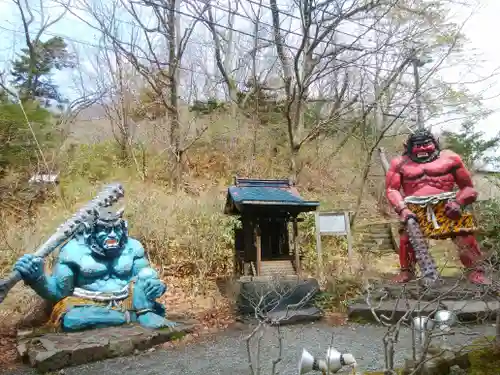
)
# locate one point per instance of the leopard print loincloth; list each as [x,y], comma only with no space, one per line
[434,223]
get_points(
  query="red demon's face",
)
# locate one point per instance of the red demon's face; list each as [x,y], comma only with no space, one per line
[423,150]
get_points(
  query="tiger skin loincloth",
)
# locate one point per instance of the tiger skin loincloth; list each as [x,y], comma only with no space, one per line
[121,301]
[434,224]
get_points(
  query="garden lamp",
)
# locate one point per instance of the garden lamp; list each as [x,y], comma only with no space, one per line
[333,363]
[423,324]
[445,320]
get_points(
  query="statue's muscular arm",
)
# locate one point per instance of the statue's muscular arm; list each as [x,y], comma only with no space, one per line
[393,181]
[143,270]
[466,193]
[60,283]
[140,260]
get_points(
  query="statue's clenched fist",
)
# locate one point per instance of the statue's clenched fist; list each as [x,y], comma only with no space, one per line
[30,267]
[154,288]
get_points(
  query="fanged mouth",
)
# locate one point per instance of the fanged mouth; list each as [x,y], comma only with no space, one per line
[111,242]
[422,155]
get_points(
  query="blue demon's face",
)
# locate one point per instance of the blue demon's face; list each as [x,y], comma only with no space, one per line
[109,238]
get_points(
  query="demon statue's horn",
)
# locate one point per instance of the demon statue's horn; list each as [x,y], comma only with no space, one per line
[424,259]
[109,195]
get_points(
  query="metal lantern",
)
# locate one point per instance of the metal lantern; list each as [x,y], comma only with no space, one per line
[445,320]
[423,324]
[333,362]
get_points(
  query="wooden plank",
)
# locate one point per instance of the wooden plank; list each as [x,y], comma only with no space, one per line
[349,234]
[318,246]
[295,230]
[258,244]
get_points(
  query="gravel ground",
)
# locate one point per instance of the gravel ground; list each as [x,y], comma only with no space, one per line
[225,353]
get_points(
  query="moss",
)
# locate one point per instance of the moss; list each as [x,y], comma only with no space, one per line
[360,320]
[484,360]
[174,336]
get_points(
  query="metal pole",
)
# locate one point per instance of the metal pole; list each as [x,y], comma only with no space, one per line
[418,99]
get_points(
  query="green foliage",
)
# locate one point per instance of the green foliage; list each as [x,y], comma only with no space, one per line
[471,145]
[32,70]
[94,162]
[258,100]
[18,145]
[484,358]
[473,148]
[205,108]
[489,237]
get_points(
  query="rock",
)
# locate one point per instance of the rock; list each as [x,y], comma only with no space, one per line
[279,294]
[54,351]
[449,362]
[283,317]
[456,370]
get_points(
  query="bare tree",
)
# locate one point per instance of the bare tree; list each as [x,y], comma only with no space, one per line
[421,305]
[392,112]
[305,66]
[270,314]
[224,55]
[159,71]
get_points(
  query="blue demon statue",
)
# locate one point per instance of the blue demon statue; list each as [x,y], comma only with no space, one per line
[100,278]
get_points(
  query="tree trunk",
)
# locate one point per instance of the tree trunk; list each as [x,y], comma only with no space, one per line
[173,96]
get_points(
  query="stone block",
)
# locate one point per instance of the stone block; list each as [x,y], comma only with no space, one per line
[54,351]
[473,310]
[361,311]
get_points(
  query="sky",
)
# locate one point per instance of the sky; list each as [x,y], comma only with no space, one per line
[478,29]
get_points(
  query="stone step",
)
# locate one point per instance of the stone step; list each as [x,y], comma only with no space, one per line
[378,251]
[376,246]
[281,267]
[466,310]
[372,228]
[374,238]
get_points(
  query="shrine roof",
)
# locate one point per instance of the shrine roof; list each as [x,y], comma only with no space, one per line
[266,197]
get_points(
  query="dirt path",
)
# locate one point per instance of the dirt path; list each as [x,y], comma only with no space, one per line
[225,353]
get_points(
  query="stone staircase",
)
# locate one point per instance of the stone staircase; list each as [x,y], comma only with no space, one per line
[375,237]
[277,267]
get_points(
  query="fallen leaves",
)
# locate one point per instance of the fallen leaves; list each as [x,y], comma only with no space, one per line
[336,318]
[7,347]
[209,309]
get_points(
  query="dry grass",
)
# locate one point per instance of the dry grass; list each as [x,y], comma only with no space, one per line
[186,234]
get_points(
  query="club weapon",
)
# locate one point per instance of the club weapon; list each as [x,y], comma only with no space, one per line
[109,195]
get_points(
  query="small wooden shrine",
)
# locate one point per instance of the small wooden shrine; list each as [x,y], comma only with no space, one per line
[264,245]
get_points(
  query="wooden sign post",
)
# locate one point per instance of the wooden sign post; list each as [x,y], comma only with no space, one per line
[332,224]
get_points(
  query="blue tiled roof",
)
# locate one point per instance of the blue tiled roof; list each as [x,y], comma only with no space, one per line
[265,193]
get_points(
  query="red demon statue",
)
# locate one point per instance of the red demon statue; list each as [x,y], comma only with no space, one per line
[420,184]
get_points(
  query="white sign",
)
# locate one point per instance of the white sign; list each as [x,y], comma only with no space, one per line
[333,223]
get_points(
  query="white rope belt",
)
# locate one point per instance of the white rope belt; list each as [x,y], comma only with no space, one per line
[102,296]
[428,201]
[113,298]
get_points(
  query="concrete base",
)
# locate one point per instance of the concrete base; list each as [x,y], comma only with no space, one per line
[471,303]
[53,351]
[283,296]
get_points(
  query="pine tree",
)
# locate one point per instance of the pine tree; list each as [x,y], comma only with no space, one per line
[471,145]
[32,71]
